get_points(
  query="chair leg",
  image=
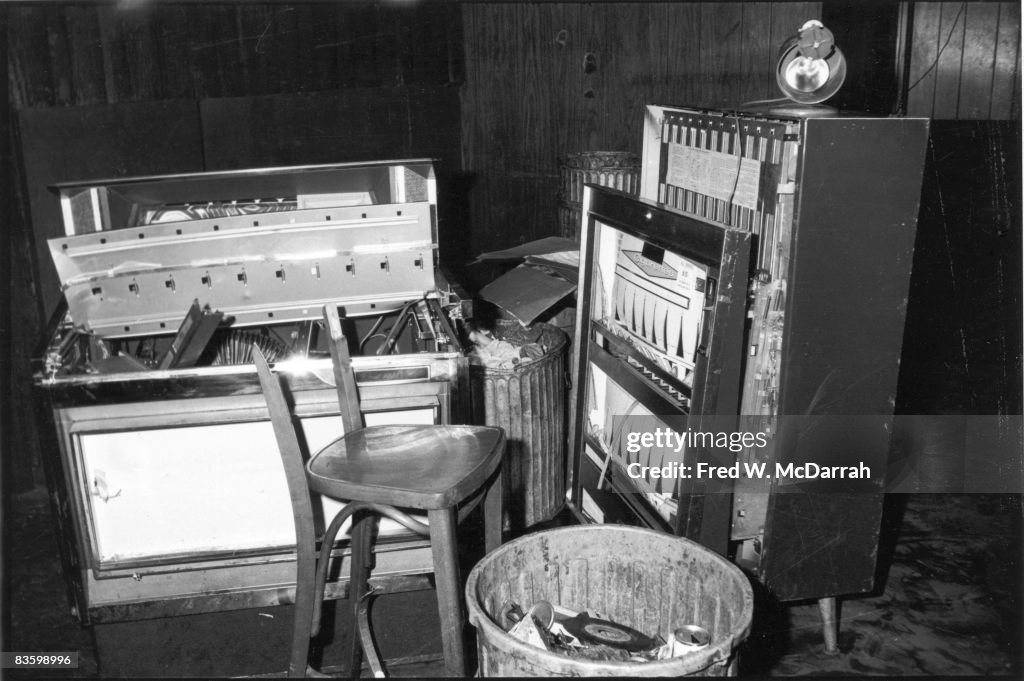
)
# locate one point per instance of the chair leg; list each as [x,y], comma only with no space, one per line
[361,549]
[305,597]
[449,597]
[366,637]
[492,514]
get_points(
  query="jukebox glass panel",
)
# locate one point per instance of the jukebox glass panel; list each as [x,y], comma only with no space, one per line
[660,344]
[206,489]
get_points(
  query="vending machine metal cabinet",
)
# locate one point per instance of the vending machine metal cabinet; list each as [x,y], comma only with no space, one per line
[168,485]
[830,203]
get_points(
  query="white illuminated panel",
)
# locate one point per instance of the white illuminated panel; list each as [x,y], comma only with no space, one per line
[613,413]
[651,297]
[200,489]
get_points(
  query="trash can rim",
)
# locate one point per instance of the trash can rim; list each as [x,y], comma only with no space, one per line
[560,342]
[713,654]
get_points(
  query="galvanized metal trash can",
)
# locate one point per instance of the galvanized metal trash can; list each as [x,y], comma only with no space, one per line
[529,402]
[647,580]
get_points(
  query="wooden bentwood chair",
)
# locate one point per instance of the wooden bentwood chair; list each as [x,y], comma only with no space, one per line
[382,471]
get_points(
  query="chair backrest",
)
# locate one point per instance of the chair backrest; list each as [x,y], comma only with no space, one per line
[344,376]
[291,452]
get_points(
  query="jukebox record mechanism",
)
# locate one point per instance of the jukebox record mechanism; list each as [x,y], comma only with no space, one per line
[234,346]
[420,325]
[66,351]
[193,334]
[213,209]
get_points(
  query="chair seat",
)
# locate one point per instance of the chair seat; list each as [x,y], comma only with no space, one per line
[411,466]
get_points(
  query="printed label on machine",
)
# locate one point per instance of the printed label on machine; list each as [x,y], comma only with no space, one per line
[714,173]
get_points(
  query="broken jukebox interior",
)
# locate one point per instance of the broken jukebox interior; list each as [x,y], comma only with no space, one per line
[170,490]
[657,344]
[800,343]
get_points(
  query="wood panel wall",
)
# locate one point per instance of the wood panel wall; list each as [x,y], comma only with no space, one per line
[965,61]
[529,100]
[92,53]
[962,342]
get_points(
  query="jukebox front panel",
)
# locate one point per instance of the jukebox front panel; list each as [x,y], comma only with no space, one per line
[197,490]
[659,341]
[170,497]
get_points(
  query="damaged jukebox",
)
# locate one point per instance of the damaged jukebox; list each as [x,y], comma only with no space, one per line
[168,481]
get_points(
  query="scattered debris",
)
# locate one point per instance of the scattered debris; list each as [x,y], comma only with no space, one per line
[590,637]
[517,345]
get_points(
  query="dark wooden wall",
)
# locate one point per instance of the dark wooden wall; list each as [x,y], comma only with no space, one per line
[963,341]
[527,99]
[962,347]
[965,61]
[92,53]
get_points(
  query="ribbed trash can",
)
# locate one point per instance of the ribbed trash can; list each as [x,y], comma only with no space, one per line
[616,169]
[529,402]
[647,580]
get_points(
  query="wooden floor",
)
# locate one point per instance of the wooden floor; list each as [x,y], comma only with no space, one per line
[948,604]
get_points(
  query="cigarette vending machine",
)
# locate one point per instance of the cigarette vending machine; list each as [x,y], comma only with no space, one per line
[808,375]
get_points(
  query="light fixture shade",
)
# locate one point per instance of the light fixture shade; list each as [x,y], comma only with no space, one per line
[810,68]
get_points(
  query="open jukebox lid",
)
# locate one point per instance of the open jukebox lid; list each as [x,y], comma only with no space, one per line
[260,246]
